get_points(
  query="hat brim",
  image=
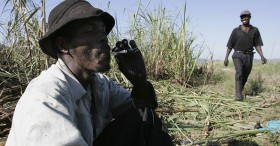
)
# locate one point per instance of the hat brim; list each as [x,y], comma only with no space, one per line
[50,49]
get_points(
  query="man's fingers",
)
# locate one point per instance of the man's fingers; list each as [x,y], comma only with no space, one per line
[226,62]
[132,44]
[123,47]
[119,47]
[125,44]
[264,60]
[119,44]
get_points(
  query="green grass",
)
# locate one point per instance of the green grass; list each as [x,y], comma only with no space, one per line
[168,46]
[215,104]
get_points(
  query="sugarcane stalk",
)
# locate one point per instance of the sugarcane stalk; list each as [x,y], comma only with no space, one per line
[230,135]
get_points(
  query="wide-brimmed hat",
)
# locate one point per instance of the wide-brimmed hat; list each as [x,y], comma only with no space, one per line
[67,12]
[245,12]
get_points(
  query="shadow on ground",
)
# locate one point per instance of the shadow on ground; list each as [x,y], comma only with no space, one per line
[234,143]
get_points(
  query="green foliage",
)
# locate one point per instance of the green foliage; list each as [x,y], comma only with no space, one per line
[166,43]
[170,52]
[270,68]
[217,77]
[255,85]
[23,32]
[168,46]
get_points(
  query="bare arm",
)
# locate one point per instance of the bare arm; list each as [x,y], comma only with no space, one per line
[226,58]
[259,50]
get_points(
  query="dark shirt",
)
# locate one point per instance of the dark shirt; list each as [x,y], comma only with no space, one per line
[242,41]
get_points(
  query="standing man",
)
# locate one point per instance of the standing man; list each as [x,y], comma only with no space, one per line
[243,40]
[72,103]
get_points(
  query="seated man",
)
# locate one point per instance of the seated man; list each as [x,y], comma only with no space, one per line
[72,103]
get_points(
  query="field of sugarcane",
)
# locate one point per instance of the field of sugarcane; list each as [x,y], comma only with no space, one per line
[196,101]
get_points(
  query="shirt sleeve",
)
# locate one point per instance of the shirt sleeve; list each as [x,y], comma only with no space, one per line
[231,41]
[43,121]
[120,99]
[258,39]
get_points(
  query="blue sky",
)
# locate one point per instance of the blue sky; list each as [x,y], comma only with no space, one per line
[211,21]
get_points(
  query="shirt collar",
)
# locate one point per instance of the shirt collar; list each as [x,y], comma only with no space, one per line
[75,87]
[239,27]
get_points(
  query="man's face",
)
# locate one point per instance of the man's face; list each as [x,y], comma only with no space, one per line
[245,19]
[89,46]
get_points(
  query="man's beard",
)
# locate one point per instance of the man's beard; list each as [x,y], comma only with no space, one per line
[103,68]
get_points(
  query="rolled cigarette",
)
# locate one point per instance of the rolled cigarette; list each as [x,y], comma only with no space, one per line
[120,52]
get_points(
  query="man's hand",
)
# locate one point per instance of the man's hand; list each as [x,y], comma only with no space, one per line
[131,64]
[130,61]
[226,62]
[264,60]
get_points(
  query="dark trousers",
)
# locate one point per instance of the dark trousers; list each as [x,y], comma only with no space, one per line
[243,65]
[131,129]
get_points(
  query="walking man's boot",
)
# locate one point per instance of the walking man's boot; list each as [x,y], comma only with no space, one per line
[238,91]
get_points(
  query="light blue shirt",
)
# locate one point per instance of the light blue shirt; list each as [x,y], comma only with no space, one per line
[55,109]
